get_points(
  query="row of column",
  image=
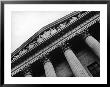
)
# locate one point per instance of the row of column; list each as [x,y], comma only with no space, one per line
[75,65]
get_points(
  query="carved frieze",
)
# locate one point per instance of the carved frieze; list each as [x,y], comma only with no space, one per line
[76,31]
[46,35]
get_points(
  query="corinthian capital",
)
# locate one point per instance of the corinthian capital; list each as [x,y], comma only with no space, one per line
[85,34]
[65,46]
[27,71]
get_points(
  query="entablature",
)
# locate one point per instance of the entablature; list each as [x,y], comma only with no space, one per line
[71,29]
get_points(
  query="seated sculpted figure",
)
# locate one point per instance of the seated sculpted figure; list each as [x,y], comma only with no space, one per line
[62,25]
[23,51]
[53,31]
[15,58]
[44,36]
[47,33]
[73,19]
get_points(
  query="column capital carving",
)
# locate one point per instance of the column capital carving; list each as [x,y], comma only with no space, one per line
[65,46]
[45,59]
[85,34]
[27,71]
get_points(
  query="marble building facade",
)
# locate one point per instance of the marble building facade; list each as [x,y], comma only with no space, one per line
[67,47]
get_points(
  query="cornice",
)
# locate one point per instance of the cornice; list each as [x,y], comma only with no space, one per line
[43,29]
[76,31]
[58,22]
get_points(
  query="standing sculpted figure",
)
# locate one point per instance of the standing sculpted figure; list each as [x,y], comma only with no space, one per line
[39,40]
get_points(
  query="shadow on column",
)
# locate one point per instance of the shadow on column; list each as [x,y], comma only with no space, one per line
[60,63]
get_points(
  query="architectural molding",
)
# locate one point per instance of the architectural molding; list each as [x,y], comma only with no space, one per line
[44,29]
[33,44]
[76,31]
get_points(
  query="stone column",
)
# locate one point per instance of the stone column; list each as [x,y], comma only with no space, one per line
[28,75]
[75,65]
[92,43]
[49,69]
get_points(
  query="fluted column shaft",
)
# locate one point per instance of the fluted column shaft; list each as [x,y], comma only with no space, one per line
[49,69]
[93,44]
[28,75]
[75,65]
